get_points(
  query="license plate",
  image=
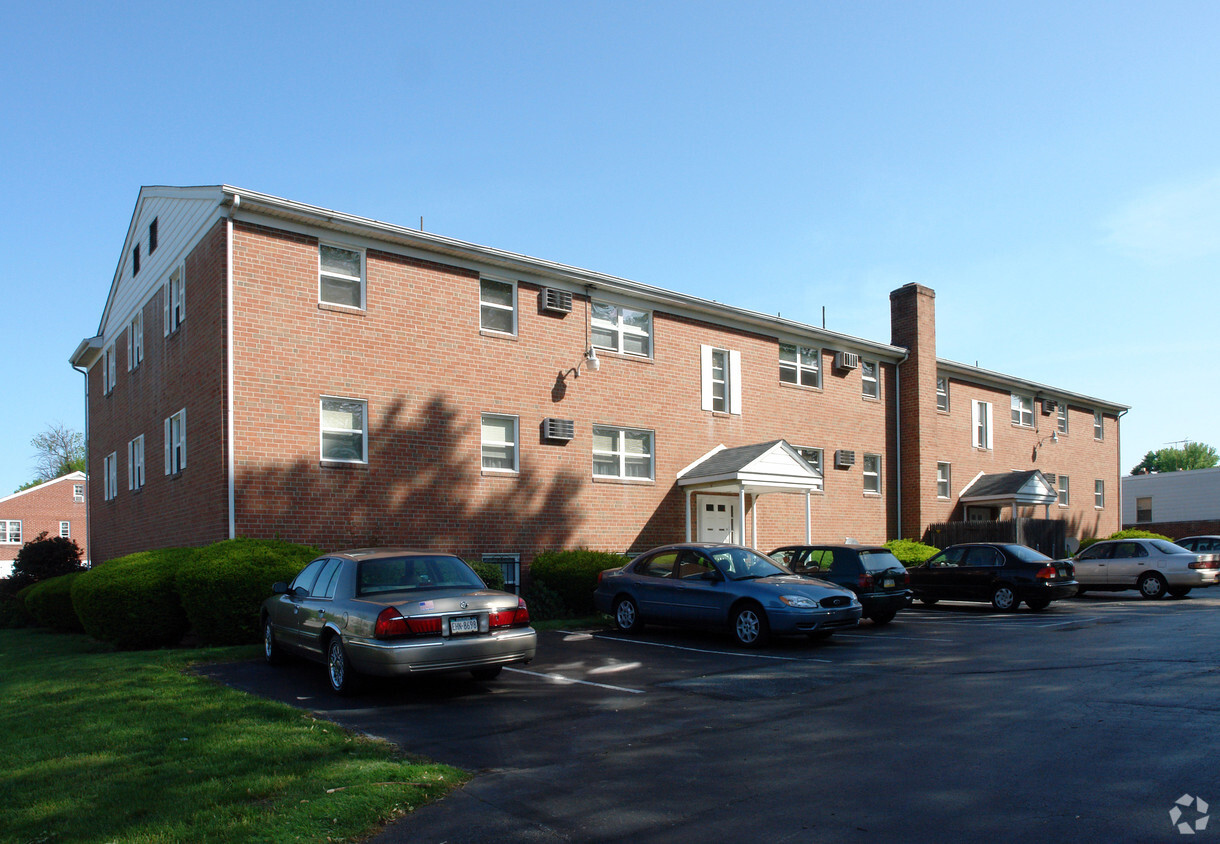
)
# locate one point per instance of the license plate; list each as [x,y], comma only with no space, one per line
[888,583]
[1063,572]
[467,624]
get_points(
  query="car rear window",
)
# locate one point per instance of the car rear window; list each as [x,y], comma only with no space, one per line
[414,573]
[1026,554]
[879,561]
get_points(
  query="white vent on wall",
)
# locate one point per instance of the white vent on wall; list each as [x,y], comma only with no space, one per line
[844,458]
[556,301]
[847,360]
[558,429]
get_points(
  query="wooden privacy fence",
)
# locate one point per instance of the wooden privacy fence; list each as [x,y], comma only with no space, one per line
[1046,535]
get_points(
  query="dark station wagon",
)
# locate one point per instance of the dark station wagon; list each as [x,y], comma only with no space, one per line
[877,577]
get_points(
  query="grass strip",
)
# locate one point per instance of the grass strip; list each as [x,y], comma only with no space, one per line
[130,747]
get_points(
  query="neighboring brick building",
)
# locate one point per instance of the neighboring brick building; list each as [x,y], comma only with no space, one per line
[350,382]
[56,507]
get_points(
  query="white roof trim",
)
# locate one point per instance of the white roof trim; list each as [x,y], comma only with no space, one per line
[71,476]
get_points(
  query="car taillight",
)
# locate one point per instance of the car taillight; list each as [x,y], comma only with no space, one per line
[1205,564]
[1046,573]
[391,624]
[866,581]
[518,617]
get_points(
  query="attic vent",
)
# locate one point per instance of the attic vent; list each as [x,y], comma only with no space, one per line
[844,458]
[135,260]
[847,360]
[152,236]
[556,301]
[1049,406]
[558,429]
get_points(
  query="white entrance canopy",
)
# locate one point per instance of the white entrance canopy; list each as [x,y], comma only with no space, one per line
[1010,489]
[751,470]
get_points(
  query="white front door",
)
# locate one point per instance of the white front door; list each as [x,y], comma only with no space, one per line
[717,518]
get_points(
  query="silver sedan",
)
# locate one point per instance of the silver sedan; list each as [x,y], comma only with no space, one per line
[1153,566]
[394,612]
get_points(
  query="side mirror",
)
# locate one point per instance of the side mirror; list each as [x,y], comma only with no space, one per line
[279,587]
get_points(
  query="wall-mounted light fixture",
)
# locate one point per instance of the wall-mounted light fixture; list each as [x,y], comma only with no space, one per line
[1054,437]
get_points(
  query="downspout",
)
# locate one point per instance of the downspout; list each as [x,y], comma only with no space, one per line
[88,534]
[229,426]
[898,438]
[1119,449]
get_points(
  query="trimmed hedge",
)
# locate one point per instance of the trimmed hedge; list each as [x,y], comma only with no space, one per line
[50,602]
[1129,533]
[911,553]
[131,601]
[223,586]
[491,573]
[572,575]
[13,614]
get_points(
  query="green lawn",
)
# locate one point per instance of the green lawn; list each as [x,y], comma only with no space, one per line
[106,746]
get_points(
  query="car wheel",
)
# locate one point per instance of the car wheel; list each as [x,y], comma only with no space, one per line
[1038,604]
[883,618]
[929,601]
[339,669]
[1179,591]
[627,615]
[1004,598]
[1152,586]
[272,652]
[487,672]
[750,627]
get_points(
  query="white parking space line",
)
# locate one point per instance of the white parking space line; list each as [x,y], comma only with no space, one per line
[559,678]
[878,637]
[1071,621]
[721,653]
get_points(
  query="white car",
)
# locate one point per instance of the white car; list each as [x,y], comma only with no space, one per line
[1153,566]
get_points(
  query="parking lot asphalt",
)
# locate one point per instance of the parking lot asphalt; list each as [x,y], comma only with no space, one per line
[1085,722]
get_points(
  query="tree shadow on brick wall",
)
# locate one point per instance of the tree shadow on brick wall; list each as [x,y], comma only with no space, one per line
[423,487]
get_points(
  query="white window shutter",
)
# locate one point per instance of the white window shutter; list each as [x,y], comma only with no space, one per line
[131,466]
[165,309]
[182,293]
[129,329]
[167,447]
[182,437]
[975,406]
[705,368]
[990,427]
[735,382]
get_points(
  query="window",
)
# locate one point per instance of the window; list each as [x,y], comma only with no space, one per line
[980,421]
[942,394]
[340,276]
[135,260]
[109,371]
[499,438]
[1099,494]
[344,437]
[135,463]
[78,493]
[1022,411]
[1061,410]
[10,531]
[1143,509]
[799,365]
[622,453]
[1099,426]
[65,530]
[872,474]
[868,379]
[135,341]
[1065,494]
[813,456]
[621,329]
[152,236]
[110,475]
[721,370]
[943,485]
[174,302]
[175,443]
[497,306]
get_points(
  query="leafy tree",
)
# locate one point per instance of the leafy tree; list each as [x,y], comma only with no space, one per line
[42,558]
[60,451]
[1191,456]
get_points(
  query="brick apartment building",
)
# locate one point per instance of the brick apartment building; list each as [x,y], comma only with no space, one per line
[55,507]
[350,382]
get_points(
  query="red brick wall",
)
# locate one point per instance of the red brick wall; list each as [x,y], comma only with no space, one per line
[42,508]
[1180,530]
[184,370]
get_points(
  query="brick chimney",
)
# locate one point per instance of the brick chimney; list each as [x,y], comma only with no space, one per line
[913,326]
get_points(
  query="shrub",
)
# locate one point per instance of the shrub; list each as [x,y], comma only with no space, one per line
[1129,533]
[43,558]
[50,602]
[911,553]
[131,601]
[572,575]
[491,573]
[13,613]
[544,603]
[223,586]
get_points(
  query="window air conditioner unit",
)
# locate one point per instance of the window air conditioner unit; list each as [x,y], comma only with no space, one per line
[847,360]
[558,429]
[1049,406]
[556,301]
[845,459]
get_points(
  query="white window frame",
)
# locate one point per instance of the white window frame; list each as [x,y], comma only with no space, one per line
[7,531]
[78,493]
[797,368]
[1063,490]
[135,340]
[1143,506]
[732,372]
[323,430]
[514,446]
[867,391]
[359,280]
[110,476]
[512,309]
[135,463]
[1099,494]
[1099,425]
[622,455]
[1022,410]
[620,327]
[175,442]
[1061,414]
[65,529]
[942,392]
[981,427]
[173,302]
[871,479]
[944,480]
[109,374]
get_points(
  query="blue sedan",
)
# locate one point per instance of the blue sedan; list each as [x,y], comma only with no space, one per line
[722,586]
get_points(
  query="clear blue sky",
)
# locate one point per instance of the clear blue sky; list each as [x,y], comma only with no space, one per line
[1052,170]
